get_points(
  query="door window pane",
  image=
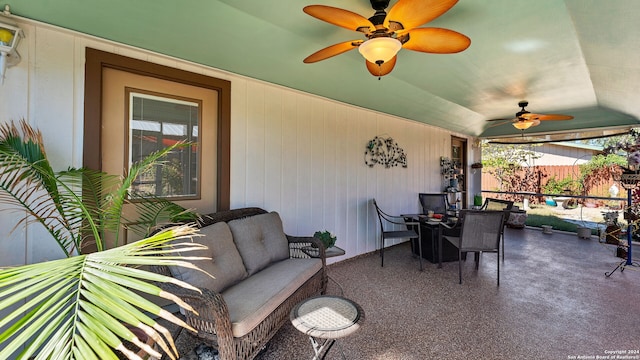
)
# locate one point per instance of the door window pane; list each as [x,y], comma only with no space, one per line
[157,122]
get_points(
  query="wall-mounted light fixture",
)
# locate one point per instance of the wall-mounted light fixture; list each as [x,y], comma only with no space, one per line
[10,35]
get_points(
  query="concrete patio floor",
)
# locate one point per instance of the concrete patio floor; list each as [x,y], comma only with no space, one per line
[554,302]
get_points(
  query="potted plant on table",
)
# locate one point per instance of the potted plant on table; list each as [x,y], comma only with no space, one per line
[83,306]
[327,238]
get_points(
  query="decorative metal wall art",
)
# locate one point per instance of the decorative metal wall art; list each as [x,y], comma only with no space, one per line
[384,151]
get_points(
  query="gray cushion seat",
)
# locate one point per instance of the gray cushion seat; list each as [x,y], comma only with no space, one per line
[252,300]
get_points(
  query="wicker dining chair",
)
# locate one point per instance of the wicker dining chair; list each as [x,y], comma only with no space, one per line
[480,232]
[392,221]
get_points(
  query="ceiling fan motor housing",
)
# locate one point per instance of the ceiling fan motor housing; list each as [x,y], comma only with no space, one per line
[522,104]
[378,17]
[379,4]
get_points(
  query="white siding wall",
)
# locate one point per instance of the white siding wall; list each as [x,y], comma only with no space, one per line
[304,157]
[294,153]
[553,154]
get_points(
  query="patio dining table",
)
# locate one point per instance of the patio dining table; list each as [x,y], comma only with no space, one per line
[430,232]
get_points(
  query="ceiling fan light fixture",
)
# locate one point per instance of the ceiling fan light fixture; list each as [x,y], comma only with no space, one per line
[380,49]
[524,124]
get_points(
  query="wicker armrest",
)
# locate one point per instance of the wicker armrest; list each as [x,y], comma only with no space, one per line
[211,313]
[305,247]
[197,300]
[299,249]
[297,243]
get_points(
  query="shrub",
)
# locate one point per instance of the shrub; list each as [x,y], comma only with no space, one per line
[554,186]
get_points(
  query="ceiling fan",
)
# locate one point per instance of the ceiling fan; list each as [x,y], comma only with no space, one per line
[525,119]
[386,33]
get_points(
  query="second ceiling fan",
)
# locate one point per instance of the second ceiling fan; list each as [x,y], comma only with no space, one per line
[525,119]
[387,33]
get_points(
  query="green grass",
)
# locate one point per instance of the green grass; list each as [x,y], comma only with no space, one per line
[557,223]
[544,215]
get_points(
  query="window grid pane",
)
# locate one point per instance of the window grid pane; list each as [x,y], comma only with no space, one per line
[158,122]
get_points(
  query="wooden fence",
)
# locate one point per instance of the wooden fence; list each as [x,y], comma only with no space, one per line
[559,172]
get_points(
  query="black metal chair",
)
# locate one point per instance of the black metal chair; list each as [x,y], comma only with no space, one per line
[436,202]
[499,204]
[480,232]
[392,221]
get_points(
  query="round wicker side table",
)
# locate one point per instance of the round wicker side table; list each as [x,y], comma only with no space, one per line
[326,317]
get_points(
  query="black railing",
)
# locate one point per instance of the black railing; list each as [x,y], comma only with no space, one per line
[530,193]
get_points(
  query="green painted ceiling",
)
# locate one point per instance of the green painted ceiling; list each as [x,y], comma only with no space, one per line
[575,57]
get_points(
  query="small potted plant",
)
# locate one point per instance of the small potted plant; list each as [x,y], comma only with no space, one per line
[327,238]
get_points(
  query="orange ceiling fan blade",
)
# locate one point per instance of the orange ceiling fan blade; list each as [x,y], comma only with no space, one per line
[413,13]
[523,114]
[333,50]
[437,41]
[546,117]
[340,17]
[383,69]
[503,121]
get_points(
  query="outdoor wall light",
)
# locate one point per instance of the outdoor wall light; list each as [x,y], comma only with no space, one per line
[10,35]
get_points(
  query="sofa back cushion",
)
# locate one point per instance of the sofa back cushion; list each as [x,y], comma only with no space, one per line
[226,265]
[260,239]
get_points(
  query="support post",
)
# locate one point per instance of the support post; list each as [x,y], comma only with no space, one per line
[629,181]
[629,227]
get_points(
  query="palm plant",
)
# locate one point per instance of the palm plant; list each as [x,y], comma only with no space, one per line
[75,307]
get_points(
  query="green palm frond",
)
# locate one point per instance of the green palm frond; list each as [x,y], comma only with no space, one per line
[152,212]
[75,204]
[27,183]
[95,186]
[77,307]
[113,209]
[28,144]
[92,189]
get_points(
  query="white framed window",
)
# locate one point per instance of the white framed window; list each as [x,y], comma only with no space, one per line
[155,122]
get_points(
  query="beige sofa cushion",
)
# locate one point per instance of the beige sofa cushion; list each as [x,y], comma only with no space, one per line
[260,240]
[252,300]
[225,265]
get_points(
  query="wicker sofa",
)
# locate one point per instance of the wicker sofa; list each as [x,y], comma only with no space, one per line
[260,275]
